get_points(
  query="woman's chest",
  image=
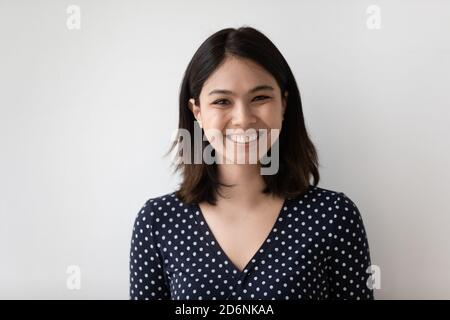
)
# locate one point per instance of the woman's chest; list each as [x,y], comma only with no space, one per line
[290,262]
[239,233]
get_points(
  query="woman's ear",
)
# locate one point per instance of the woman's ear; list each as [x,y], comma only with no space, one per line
[195,110]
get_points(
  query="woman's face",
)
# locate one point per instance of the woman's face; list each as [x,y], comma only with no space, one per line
[237,100]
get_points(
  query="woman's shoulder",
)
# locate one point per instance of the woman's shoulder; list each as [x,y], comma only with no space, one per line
[163,202]
[315,192]
[333,204]
[162,207]
[330,199]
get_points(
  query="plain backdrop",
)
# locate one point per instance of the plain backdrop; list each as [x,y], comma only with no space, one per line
[87,114]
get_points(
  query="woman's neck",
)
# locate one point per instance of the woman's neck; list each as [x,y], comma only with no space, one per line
[248,184]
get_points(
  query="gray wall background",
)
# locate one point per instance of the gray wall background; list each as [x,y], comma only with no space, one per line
[86,114]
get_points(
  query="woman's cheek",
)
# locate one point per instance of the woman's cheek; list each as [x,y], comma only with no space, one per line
[214,136]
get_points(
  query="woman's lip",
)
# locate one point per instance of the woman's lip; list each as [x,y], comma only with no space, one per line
[258,133]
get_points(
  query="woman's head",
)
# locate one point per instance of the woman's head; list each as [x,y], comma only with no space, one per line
[239,81]
[239,100]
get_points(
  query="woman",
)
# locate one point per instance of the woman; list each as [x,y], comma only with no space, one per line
[241,229]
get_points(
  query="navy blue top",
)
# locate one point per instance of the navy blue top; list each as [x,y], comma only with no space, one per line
[317,249]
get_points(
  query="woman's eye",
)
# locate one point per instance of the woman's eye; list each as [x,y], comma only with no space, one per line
[220,101]
[263,98]
[226,101]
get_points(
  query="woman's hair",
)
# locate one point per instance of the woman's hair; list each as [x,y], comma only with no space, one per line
[298,159]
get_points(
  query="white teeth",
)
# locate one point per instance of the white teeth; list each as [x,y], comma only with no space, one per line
[243,138]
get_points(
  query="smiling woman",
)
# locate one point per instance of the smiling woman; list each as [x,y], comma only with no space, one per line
[238,80]
[243,113]
[229,231]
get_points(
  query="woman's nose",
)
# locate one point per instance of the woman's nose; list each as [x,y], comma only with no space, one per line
[243,115]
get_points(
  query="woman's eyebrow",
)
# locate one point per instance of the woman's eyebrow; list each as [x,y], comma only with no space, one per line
[255,89]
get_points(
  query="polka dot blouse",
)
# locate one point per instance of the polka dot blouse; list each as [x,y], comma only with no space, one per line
[317,249]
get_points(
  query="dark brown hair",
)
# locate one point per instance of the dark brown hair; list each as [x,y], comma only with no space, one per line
[298,159]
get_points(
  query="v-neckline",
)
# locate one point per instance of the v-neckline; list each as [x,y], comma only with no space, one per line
[265,246]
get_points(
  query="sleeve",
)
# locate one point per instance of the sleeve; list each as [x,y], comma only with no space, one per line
[349,255]
[147,279]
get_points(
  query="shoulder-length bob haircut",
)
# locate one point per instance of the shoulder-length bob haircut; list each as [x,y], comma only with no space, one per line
[298,160]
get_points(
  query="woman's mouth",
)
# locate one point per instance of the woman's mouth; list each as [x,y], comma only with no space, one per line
[243,138]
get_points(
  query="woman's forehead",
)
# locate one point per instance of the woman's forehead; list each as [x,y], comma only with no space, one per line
[238,75]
